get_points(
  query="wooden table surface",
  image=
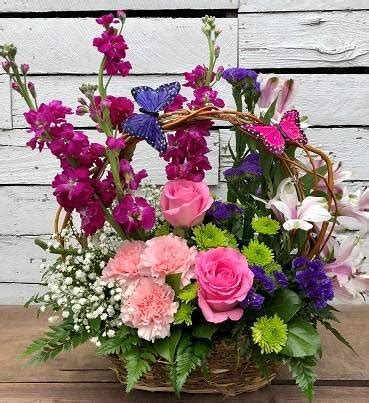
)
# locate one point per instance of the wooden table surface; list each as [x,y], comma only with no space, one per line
[80,376]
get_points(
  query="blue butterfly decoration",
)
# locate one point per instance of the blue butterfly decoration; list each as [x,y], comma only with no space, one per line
[146,124]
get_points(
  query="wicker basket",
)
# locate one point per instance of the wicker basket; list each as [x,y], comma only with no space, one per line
[228,375]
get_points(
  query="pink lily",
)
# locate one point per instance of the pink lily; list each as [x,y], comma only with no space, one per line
[272,87]
[298,215]
[347,270]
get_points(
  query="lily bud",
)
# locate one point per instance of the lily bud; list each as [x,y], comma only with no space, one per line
[24,68]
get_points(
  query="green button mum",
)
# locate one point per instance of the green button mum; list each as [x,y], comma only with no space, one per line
[270,334]
[257,253]
[265,225]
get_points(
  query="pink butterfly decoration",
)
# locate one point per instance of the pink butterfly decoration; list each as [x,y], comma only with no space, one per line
[276,136]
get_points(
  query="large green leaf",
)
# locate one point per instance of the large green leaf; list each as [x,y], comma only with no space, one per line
[303,339]
[167,347]
[204,330]
[285,303]
[174,280]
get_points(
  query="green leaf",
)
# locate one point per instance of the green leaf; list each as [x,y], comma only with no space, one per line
[167,347]
[270,112]
[189,292]
[204,330]
[303,339]
[174,280]
[124,339]
[184,314]
[337,334]
[285,303]
[95,324]
[137,364]
[308,179]
[302,370]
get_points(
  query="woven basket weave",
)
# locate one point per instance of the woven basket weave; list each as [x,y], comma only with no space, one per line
[228,375]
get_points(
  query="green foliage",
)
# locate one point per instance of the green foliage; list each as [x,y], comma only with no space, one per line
[285,303]
[337,334]
[138,362]
[166,348]
[188,293]
[210,236]
[190,355]
[270,112]
[124,339]
[302,370]
[162,229]
[59,338]
[270,268]
[303,339]
[204,330]
[184,314]
[308,179]
[174,280]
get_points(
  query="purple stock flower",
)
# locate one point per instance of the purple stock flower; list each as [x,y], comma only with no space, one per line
[238,76]
[134,213]
[222,212]
[115,144]
[250,167]
[313,281]
[265,281]
[281,279]
[253,300]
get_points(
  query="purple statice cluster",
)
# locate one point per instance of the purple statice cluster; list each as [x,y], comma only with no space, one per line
[203,94]
[313,281]
[268,283]
[186,152]
[241,77]
[250,167]
[253,300]
[221,212]
[113,46]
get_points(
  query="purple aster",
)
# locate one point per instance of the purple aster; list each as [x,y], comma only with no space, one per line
[221,212]
[265,281]
[314,282]
[281,279]
[253,300]
[238,76]
[249,167]
[134,213]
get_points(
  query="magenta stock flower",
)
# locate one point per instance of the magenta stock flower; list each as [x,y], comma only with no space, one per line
[205,96]
[115,144]
[134,213]
[105,189]
[176,104]
[196,77]
[106,20]
[131,179]
[92,217]
[119,109]
[72,188]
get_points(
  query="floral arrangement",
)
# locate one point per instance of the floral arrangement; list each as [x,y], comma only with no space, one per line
[165,275]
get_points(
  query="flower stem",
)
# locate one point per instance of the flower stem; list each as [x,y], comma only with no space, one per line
[110,219]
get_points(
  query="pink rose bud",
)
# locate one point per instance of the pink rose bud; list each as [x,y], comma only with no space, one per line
[24,68]
[184,203]
[15,86]
[6,66]
[32,89]
[221,290]
[115,144]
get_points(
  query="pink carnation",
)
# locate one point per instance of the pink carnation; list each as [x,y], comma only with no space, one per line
[150,309]
[124,265]
[167,255]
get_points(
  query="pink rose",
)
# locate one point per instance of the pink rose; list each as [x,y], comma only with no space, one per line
[150,309]
[184,203]
[168,254]
[124,265]
[224,280]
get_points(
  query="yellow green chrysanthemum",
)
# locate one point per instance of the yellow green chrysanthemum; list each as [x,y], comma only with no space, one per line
[258,254]
[188,293]
[162,229]
[272,267]
[270,334]
[265,225]
[210,236]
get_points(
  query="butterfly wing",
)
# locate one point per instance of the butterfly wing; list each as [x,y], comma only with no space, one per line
[156,100]
[146,127]
[270,135]
[290,127]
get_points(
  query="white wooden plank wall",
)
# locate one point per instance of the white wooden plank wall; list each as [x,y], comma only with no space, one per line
[324,45]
